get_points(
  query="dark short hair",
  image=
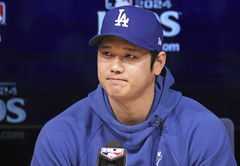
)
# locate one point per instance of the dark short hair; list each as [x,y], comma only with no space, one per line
[154,55]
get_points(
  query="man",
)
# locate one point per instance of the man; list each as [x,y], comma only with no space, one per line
[135,106]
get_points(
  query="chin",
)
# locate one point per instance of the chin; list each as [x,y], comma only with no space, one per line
[115,94]
[118,94]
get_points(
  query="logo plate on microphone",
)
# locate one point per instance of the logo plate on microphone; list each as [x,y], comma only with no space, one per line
[112,153]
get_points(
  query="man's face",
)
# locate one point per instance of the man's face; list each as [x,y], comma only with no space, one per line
[124,68]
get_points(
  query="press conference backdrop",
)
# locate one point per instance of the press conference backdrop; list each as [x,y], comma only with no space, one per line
[46,63]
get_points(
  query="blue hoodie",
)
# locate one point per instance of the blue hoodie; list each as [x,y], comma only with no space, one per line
[178,132]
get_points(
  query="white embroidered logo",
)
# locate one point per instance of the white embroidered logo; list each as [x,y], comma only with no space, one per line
[159,157]
[159,41]
[122,19]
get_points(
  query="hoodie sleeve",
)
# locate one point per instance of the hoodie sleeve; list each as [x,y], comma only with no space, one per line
[210,145]
[52,149]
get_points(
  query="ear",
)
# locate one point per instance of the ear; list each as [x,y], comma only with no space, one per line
[159,63]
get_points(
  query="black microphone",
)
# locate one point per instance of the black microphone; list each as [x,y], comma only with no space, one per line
[112,155]
[156,122]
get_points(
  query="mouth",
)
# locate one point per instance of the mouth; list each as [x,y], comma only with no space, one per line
[116,79]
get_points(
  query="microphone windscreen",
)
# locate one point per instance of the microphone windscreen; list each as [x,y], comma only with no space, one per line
[114,144]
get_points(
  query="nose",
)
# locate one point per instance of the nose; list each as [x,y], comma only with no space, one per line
[117,66]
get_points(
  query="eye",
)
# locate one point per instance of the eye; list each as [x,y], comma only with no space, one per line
[130,56]
[106,53]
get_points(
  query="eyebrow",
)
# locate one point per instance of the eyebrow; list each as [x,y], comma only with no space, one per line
[130,49]
[105,46]
[125,48]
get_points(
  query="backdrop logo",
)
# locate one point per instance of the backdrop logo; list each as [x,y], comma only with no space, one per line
[2,13]
[11,106]
[154,4]
[166,15]
[110,4]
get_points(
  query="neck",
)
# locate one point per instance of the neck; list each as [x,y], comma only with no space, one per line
[132,111]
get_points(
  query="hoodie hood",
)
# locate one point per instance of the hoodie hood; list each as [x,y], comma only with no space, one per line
[164,103]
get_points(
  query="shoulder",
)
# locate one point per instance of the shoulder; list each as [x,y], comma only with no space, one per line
[193,116]
[191,110]
[78,117]
[74,127]
[190,118]
[63,139]
[202,133]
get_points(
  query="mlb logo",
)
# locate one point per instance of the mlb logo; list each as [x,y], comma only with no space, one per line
[110,4]
[2,13]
